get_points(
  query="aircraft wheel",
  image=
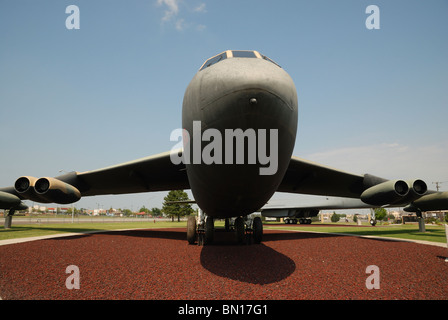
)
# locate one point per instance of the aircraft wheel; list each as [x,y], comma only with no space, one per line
[209,230]
[258,229]
[191,229]
[239,228]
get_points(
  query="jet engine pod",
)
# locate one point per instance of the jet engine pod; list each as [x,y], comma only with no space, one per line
[8,201]
[418,187]
[25,187]
[56,191]
[385,193]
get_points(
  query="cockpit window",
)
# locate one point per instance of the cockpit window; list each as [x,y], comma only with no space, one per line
[214,60]
[266,58]
[235,54]
[243,54]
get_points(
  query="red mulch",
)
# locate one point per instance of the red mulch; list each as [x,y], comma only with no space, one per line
[159,264]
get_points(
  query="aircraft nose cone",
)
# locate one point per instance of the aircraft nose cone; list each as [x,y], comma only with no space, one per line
[239,74]
[250,105]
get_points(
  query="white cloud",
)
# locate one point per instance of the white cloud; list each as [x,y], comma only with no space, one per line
[172,8]
[174,15]
[390,161]
[200,8]
[180,24]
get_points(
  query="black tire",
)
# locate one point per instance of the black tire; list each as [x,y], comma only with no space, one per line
[227,225]
[239,229]
[191,230]
[258,229]
[209,230]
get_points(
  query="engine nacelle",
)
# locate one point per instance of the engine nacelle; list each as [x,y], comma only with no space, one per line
[431,202]
[8,201]
[56,191]
[277,213]
[388,192]
[25,187]
[418,188]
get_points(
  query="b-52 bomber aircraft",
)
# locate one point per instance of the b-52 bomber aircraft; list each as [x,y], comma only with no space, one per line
[239,120]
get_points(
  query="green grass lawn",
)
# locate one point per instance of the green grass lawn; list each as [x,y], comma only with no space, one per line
[434,233]
[19,230]
[22,229]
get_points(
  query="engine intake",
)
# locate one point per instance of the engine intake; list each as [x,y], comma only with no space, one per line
[57,191]
[385,193]
[418,187]
[25,187]
[397,192]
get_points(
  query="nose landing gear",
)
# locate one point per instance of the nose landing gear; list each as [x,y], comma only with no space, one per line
[202,229]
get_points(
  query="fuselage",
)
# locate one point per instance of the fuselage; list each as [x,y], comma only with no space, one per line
[240,116]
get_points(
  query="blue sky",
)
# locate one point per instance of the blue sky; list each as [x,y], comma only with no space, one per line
[370,101]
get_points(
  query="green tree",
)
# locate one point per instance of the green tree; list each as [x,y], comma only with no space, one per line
[156,212]
[173,205]
[390,217]
[335,217]
[126,212]
[144,209]
[380,214]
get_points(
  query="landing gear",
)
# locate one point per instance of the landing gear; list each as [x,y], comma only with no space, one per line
[227,225]
[421,221]
[373,219]
[294,221]
[239,229]
[8,219]
[257,227]
[209,230]
[202,229]
[191,229]
[248,229]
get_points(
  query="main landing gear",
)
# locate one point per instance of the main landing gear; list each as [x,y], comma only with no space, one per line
[202,229]
[294,220]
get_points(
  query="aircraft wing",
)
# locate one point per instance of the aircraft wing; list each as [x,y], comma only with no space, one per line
[158,173]
[309,206]
[154,173]
[315,203]
[306,177]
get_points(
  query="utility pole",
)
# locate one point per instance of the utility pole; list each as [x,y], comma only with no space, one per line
[438,183]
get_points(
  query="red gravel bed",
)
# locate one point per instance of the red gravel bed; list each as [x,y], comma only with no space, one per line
[159,264]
